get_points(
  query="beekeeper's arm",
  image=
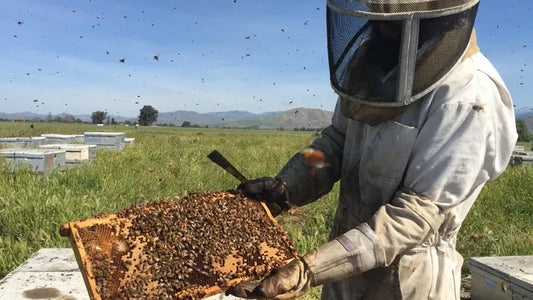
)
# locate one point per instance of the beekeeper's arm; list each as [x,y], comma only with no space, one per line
[296,184]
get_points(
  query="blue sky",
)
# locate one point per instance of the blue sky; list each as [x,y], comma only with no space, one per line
[217,55]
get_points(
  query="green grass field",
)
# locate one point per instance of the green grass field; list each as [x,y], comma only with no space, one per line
[169,162]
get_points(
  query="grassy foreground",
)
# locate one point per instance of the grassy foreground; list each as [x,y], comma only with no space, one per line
[171,162]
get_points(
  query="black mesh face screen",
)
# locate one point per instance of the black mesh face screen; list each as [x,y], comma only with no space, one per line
[362,52]
[442,42]
[341,39]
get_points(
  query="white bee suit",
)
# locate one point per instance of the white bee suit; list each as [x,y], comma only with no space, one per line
[406,186]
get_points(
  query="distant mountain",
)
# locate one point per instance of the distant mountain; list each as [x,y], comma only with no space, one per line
[22,115]
[206,119]
[523,112]
[288,120]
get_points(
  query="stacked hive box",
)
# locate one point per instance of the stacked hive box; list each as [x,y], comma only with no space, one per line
[62,138]
[43,160]
[108,140]
[129,141]
[507,277]
[74,153]
[23,141]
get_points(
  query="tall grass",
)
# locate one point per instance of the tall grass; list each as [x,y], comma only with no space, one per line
[170,162]
[501,221]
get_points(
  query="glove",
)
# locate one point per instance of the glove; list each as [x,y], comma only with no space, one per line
[270,190]
[351,253]
[288,282]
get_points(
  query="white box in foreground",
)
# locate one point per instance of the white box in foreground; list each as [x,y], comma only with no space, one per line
[43,160]
[504,277]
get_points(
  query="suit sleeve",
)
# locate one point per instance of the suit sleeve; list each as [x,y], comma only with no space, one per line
[305,185]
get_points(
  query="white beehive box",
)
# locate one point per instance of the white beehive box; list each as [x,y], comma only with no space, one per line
[37,159]
[507,277]
[74,153]
[522,158]
[129,141]
[48,274]
[78,138]
[61,138]
[52,273]
[110,140]
[23,141]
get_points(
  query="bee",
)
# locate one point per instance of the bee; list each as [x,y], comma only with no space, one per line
[503,286]
[120,246]
[156,57]
[292,210]
[122,60]
[475,237]
[478,107]
[314,158]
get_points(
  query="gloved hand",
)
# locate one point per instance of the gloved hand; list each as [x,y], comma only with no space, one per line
[270,190]
[356,251]
[288,282]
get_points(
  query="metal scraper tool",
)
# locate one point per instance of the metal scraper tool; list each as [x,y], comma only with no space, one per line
[220,160]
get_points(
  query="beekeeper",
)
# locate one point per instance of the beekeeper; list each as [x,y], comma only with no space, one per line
[422,122]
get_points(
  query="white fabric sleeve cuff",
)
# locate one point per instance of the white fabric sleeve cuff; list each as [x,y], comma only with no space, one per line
[354,252]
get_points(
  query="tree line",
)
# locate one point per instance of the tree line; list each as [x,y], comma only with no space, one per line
[147,116]
[523,132]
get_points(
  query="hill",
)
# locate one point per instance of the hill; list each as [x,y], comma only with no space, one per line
[288,120]
[206,119]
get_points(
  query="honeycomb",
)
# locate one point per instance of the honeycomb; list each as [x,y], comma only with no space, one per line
[190,248]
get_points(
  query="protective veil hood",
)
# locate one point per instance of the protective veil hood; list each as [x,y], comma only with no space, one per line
[389,53]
